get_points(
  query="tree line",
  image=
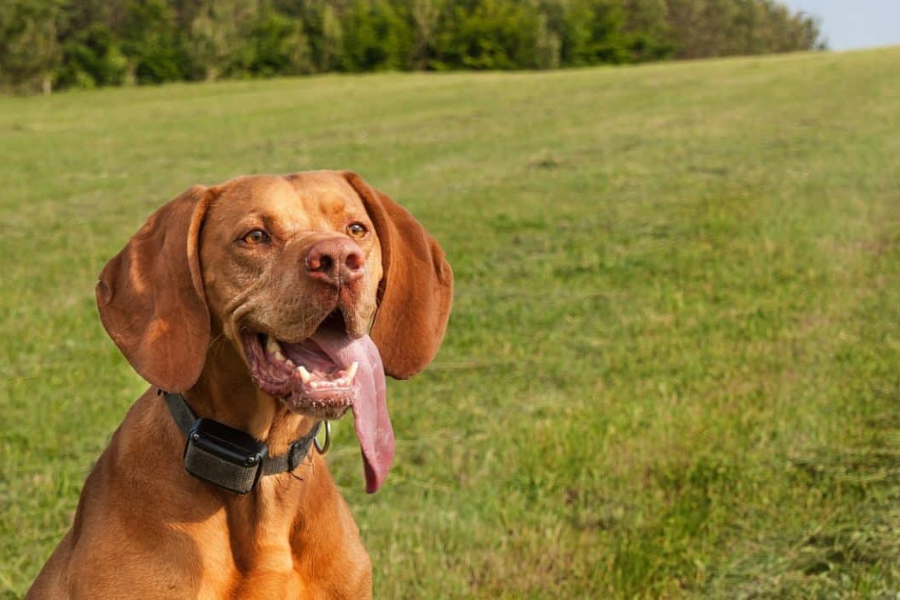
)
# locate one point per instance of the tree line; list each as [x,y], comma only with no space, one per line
[54,44]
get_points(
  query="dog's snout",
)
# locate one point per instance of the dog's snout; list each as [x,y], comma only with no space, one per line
[335,261]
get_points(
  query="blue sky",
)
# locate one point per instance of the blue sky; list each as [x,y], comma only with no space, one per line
[849,24]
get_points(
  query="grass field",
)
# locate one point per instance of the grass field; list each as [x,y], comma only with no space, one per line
[673,366]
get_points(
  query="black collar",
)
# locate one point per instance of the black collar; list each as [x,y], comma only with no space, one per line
[229,457]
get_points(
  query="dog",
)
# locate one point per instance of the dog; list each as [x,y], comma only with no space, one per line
[256,309]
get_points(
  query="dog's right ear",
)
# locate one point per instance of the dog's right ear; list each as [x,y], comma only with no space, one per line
[150,295]
[416,290]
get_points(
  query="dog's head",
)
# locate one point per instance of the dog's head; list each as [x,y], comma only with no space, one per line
[321,283]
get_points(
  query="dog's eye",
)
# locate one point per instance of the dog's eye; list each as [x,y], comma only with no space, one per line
[255,237]
[357,230]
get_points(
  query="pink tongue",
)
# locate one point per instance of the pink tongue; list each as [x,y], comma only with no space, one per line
[371,421]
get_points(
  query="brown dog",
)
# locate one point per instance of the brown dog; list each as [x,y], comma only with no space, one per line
[253,299]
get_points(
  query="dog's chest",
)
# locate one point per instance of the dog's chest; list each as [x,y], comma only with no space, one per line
[245,556]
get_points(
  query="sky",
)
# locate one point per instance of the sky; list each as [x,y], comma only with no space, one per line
[850,24]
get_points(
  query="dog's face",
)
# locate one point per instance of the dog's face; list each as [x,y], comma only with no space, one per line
[321,284]
[291,267]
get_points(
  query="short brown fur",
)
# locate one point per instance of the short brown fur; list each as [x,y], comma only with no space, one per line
[174,301]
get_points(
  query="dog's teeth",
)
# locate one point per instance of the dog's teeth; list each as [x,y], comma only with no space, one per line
[279,356]
[272,346]
[290,363]
[305,375]
[351,371]
[314,384]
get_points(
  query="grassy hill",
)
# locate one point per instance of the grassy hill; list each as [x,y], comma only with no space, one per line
[673,366]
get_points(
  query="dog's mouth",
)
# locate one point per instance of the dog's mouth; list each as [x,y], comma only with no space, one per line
[316,376]
[324,375]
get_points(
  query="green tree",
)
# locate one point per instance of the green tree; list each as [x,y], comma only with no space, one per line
[92,58]
[86,42]
[332,40]
[647,26]
[425,17]
[595,33]
[275,45]
[375,37]
[29,49]
[218,29]
[702,28]
[322,25]
[546,45]
[151,41]
[489,34]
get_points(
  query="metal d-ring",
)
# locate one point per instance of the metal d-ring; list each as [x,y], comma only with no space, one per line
[324,449]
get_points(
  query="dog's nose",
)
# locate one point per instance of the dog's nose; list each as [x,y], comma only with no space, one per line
[335,261]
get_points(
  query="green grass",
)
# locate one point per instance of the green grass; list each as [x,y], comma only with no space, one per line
[673,365]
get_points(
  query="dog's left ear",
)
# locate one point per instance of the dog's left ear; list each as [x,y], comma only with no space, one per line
[416,289]
[150,295]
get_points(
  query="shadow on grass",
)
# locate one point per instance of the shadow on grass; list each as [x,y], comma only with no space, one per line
[866,538]
[848,552]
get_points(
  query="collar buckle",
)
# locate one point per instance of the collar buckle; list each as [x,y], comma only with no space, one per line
[323,448]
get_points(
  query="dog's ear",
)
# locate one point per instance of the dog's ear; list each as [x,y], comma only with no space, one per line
[150,295]
[415,291]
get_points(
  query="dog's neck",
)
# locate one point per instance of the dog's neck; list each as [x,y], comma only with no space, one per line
[226,394]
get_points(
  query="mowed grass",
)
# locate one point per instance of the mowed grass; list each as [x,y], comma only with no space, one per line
[673,365]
